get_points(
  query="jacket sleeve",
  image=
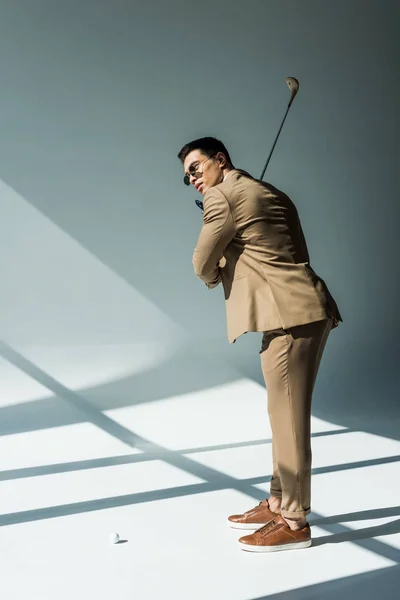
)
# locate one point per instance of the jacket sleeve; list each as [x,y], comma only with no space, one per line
[217,231]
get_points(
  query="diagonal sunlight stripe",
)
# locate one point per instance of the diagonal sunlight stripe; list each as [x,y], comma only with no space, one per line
[374,513]
[381,583]
[339,533]
[103,503]
[363,537]
[109,461]
[213,478]
[258,442]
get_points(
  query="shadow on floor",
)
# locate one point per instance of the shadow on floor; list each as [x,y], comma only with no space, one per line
[178,375]
[383,584]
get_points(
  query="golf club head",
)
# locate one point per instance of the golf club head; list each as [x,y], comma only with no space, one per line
[293,85]
[200,205]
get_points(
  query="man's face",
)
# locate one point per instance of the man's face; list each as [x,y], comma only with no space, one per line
[208,171]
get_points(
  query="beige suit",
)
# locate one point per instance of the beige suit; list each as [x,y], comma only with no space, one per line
[267,279]
[252,242]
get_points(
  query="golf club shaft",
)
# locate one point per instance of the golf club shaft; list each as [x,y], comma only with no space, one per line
[293,85]
[274,144]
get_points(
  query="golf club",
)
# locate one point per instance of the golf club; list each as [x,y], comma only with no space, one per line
[293,85]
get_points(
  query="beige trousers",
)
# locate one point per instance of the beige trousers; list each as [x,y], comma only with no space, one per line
[290,360]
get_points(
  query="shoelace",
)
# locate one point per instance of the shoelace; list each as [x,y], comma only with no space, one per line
[267,526]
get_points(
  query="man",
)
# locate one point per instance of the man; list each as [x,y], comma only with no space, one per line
[252,241]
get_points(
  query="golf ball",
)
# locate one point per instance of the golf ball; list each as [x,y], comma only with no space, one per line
[114,538]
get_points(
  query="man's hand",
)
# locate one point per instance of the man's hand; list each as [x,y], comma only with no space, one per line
[222,262]
[212,284]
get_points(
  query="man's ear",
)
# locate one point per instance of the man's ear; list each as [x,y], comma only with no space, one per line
[222,159]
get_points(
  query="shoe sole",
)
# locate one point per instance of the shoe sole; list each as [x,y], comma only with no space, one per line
[296,546]
[246,526]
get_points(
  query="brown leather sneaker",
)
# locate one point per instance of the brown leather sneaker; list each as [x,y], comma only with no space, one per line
[254,518]
[276,535]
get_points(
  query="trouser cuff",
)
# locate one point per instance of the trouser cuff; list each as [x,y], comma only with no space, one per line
[295,514]
[275,488]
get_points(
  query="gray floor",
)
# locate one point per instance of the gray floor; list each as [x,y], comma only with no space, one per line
[164,475]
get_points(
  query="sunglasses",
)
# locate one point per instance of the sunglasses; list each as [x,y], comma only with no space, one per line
[193,171]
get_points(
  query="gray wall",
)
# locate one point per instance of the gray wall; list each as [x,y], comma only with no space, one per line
[97,230]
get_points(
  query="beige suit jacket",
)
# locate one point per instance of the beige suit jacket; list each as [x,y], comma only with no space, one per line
[267,278]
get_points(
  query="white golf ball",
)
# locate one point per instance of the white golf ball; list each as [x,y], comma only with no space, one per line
[114,538]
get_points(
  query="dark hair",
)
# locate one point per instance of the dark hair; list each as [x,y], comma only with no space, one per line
[207,145]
